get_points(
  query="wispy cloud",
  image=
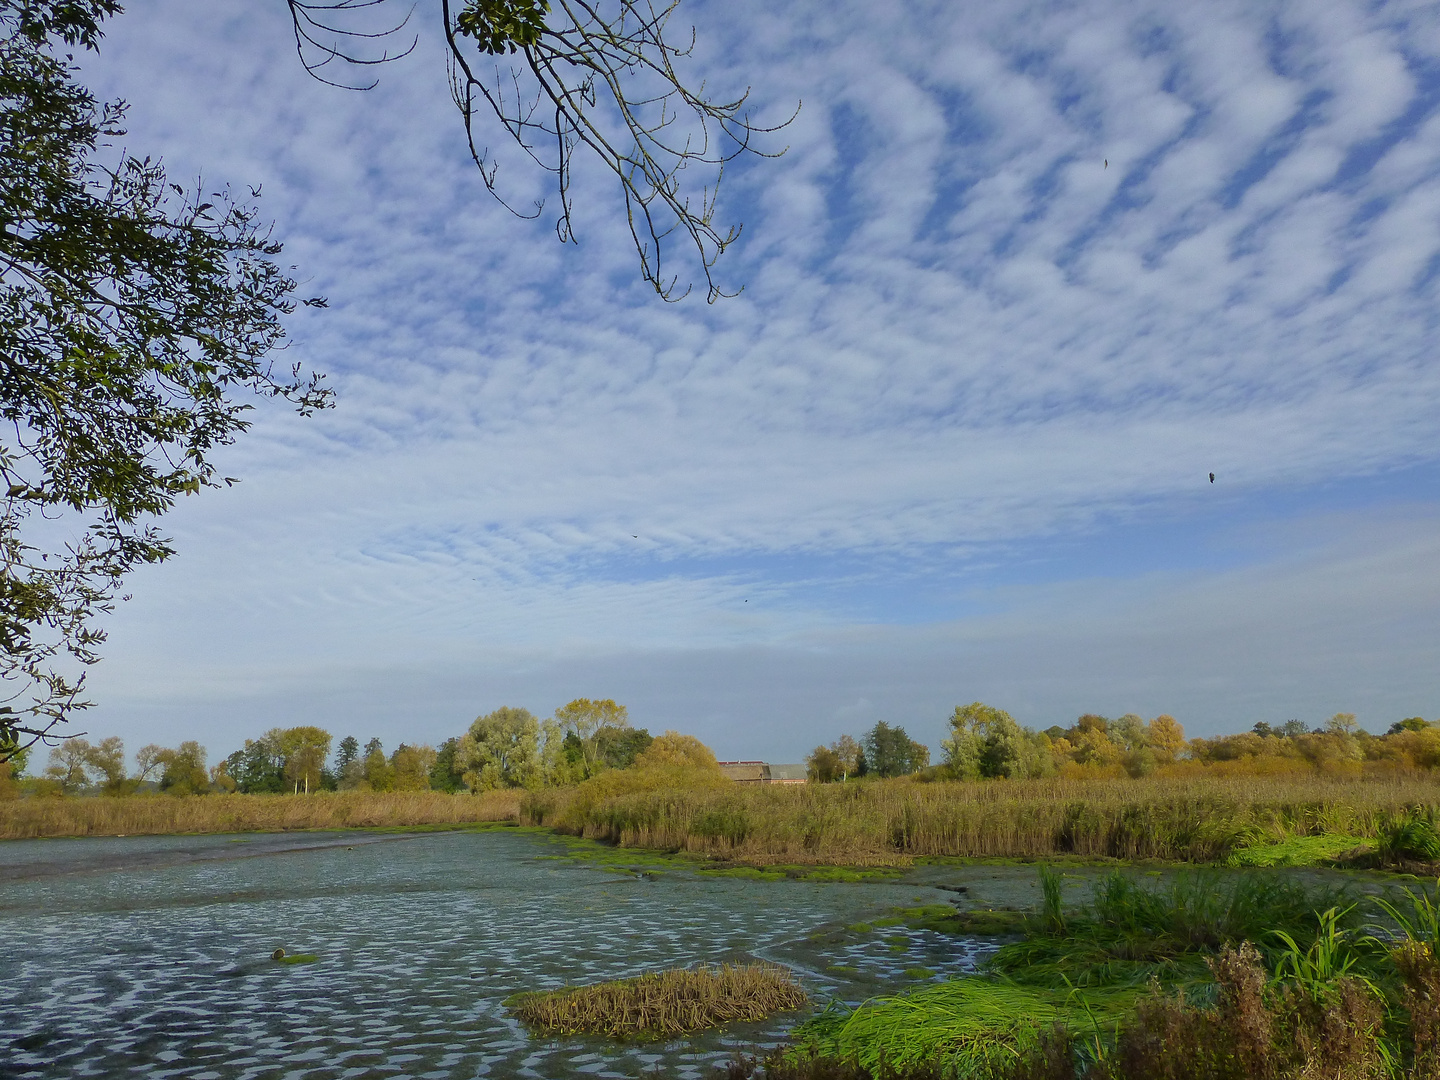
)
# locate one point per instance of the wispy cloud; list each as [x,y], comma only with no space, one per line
[1026,272]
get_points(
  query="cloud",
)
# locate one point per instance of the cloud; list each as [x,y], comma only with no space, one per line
[963,332]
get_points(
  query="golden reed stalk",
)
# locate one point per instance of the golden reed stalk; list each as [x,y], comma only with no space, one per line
[1189,819]
[664,1003]
[163,814]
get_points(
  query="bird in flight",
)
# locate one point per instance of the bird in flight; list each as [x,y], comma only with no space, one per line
[1212,478]
[1107,163]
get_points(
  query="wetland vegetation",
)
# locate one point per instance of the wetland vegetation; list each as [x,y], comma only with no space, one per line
[1208,959]
[664,1004]
[1209,976]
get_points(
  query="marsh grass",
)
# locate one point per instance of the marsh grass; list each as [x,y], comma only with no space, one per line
[663,1004]
[1408,837]
[147,815]
[1083,1001]
[1201,819]
[1132,932]
[1322,850]
[968,1026]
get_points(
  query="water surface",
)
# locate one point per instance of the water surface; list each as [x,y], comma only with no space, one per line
[150,956]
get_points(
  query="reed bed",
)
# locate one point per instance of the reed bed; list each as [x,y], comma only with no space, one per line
[664,1004]
[1199,819]
[137,815]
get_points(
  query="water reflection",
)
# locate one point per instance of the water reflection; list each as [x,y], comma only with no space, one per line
[151,956]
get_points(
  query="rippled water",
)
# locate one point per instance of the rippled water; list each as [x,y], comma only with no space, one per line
[150,956]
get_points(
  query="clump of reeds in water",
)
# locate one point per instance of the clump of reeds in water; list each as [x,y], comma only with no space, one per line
[664,1003]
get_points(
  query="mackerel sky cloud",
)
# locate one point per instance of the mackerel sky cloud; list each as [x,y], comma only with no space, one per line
[1026,275]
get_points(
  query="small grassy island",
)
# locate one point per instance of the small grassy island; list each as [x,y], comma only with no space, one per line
[664,1004]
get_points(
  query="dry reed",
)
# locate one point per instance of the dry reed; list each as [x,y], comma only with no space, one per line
[163,814]
[1197,819]
[664,1003]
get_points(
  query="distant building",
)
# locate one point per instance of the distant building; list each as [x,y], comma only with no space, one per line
[761,772]
[788,774]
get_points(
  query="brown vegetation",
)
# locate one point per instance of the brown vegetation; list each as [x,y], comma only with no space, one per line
[163,814]
[1197,819]
[664,1003]
[1253,1031]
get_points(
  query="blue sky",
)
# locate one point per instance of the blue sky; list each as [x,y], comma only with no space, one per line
[1026,275]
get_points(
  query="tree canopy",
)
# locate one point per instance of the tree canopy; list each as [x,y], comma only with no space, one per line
[137,319]
[889,751]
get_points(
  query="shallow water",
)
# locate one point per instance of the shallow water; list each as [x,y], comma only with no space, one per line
[150,956]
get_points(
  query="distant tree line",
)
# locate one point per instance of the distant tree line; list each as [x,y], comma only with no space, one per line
[508,747]
[988,743]
[883,751]
[512,748]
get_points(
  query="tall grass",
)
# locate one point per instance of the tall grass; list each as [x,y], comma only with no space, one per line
[162,814]
[664,1003]
[1199,819]
[1133,931]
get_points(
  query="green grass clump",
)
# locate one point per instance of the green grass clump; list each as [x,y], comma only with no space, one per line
[1132,932]
[973,1025]
[1296,851]
[1408,837]
[663,1004]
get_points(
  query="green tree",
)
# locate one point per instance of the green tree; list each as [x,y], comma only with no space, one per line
[67,766]
[105,762]
[446,774]
[848,754]
[1410,723]
[134,318]
[823,766]
[303,751]
[890,752]
[376,773]
[987,742]
[618,747]
[411,766]
[585,718]
[562,756]
[147,760]
[673,750]
[1342,723]
[349,769]
[1128,732]
[258,768]
[184,770]
[501,749]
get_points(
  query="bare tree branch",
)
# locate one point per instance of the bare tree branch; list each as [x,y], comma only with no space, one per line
[591,75]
